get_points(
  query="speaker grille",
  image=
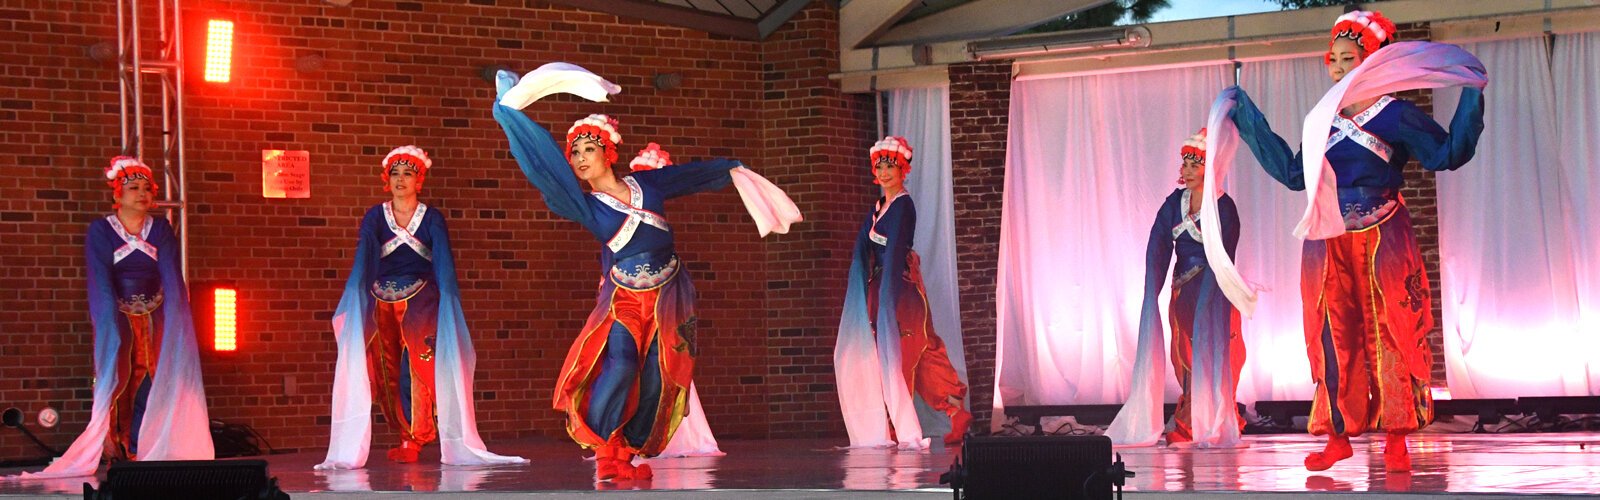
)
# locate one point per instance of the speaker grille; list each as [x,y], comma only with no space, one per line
[1068,467]
[188,479]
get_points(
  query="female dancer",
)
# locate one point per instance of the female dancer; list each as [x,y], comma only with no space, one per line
[1199,314]
[400,329]
[884,354]
[149,403]
[1364,289]
[625,383]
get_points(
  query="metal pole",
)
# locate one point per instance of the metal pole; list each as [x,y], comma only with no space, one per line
[138,88]
[168,67]
[122,72]
[177,83]
[877,102]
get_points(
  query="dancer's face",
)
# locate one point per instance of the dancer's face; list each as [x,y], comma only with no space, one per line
[1343,57]
[889,174]
[588,159]
[404,181]
[137,195]
[1193,174]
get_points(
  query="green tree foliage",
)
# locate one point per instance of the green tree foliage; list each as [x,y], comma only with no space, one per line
[1109,14]
[1301,4]
[1139,11]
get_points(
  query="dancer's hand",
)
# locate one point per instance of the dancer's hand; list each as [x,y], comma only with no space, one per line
[503,81]
[1239,96]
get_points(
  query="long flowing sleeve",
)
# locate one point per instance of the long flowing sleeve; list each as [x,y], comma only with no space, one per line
[1212,383]
[1158,252]
[1140,421]
[185,432]
[351,429]
[102,298]
[1437,149]
[544,163]
[857,372]
[689,178]
[1270,150]
[456,361]
[899,225]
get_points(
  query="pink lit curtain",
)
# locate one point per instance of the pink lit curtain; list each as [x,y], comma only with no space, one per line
[1519,237]
[1089,161]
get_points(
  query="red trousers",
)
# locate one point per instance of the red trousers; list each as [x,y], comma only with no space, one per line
[136,364]
[405,331]
[1367,314]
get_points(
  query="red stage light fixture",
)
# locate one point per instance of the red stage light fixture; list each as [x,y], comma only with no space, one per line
[219,50]
[225,319]
[215,306]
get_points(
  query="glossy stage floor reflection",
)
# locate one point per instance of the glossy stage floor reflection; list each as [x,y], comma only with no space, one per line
[1444,463]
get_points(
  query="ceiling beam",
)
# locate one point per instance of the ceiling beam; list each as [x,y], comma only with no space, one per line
[862,21]
[682,17]
[779,14]
[983,19]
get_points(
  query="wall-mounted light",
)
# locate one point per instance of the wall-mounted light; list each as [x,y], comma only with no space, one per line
[102,52]
[1068,41]
[219,50]
[309,63]
[215,306]
[668,81]
[225,319]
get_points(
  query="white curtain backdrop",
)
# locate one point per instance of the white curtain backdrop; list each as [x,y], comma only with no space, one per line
[922,116]
[1088,162]
[1516,229]
[1576,66]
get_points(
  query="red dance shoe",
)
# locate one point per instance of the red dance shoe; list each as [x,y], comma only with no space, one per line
[1396,458]
[960,421]
[1176,438]
[605,463]
[627,471]
[1338,449]
[405,453]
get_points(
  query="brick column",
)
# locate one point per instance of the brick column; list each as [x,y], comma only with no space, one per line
[980,102]
[815,146]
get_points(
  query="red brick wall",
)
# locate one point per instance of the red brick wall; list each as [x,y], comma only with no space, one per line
[816,143]
[980,103]
[406,73]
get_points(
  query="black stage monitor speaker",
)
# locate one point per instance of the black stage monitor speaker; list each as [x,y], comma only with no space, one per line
[1014,467]
[187,480]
